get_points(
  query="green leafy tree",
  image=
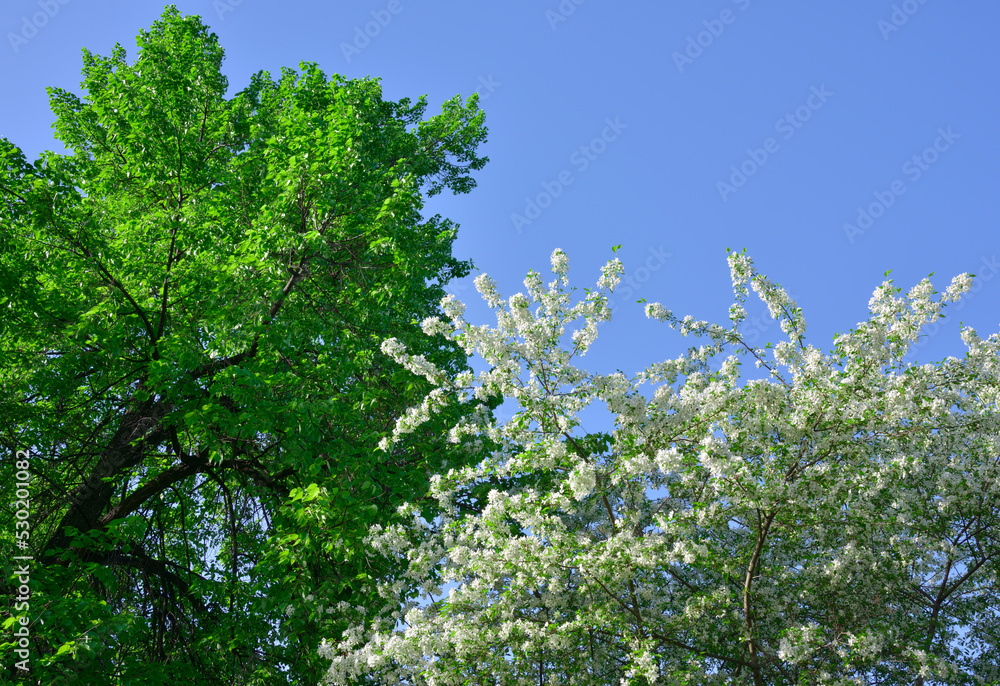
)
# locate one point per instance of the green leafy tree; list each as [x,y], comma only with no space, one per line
[192,305]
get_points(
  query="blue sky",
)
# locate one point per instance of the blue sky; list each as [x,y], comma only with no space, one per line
[674,129]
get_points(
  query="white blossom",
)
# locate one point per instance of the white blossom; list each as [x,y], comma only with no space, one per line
[820,511]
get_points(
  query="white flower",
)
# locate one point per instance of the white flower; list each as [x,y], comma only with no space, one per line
[657,311]
[560,264]
[433,326]
[611,274]
[452,307]
[582,481]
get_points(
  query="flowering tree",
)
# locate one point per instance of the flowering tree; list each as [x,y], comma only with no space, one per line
[833,522]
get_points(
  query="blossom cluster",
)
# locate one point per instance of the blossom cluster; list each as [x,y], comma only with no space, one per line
[834,522]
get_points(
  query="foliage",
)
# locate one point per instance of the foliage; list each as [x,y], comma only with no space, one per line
[192,304]
[834,521]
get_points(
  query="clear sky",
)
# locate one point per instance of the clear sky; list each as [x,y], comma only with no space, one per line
[674,129]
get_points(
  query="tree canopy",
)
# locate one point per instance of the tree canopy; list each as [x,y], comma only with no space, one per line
[834,521]
[244,443]
[192,301]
